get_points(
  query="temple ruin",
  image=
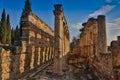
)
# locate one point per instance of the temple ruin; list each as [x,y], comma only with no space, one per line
[61,39]
[92,47]
[39,45]
[115,50]
[92,40]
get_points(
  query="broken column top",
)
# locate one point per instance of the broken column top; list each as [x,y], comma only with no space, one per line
[118,37]
[90,20]
[101,17]
[58,7]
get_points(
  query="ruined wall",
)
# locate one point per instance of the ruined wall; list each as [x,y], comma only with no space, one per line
[5,64]
[9,65]
[103,68]
[36,49]
[88,42]
[37,42]
[92,40]
[102,39]
[115,50]
[92,47]
[61,38]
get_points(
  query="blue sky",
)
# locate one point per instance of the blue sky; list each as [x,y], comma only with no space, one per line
[75,11]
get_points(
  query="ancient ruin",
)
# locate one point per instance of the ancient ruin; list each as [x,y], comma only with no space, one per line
[61,39]
[39,45]
[115,50]
[37,40]
[45,54]
[92,47]
[92,40]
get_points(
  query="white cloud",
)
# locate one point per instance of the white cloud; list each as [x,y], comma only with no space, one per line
[115,24]
[113,30]
[117,21]
[76,26]
[102,11]
[108,1]
[74,29]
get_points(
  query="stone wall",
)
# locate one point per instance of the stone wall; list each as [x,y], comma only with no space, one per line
[36,49]
[88,42]
[5,64]
[9,65]
[14,66]
[115,50]
[92,40]
[103,69]
[92,48]
[36,42]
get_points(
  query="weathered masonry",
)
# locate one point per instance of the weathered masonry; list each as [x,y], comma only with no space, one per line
[92,40]
[39,45]
[36,49]
[61,37]
[115,50]
[92,47]
[37,41]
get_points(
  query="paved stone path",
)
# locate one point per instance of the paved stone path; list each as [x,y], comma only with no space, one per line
[44,76]
[45,72]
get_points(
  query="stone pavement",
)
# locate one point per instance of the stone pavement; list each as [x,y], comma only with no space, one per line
[71,73]
[47,74]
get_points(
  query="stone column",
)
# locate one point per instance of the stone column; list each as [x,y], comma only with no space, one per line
[51,51]
[118,38]
[36,57]
[39,49]
[58,12]
[47,53]
[43,55]
[102,39]
[32,57]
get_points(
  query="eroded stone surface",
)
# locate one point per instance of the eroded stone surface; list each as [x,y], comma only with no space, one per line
[91,48]
[61,39]
[115,50]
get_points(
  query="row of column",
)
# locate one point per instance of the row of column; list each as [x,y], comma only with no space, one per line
[35,56]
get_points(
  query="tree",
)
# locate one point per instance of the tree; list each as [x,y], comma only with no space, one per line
[15,36]
[8,30]
[74,40]
[27,7]
[73,43]
[16,33]
[3,31]
[12,36]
